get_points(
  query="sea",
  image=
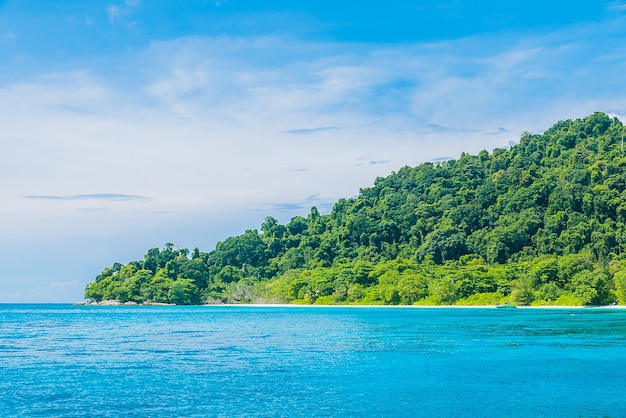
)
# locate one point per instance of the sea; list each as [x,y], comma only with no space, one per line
[260,361]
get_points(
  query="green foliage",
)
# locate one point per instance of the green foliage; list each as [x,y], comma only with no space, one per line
[543,222]
[482,299]
[183,292]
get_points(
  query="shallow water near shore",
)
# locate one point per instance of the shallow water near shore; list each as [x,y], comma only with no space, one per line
[63,360]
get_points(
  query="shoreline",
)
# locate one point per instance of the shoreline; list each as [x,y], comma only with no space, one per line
[287,305]
[261,305]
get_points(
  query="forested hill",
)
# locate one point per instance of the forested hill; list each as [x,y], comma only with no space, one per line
[540,223]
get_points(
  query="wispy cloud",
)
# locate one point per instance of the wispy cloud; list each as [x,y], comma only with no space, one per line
[435,128]
[446,88]
[113,13]
[286,206]
[116,14]
[102,196]
[368,160]
[311,131]
[297,170]
[617,5]
[199,109]
[302,206]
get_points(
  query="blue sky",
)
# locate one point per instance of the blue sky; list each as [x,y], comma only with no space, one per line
[129,124]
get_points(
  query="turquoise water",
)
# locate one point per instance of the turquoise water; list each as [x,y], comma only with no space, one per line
[63,361]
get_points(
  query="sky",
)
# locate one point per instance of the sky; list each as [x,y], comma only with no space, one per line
[130,124]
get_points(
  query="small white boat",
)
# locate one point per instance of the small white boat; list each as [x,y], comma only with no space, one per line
[507,305]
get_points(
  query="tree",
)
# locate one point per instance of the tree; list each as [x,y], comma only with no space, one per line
[158,289]
[523,293]
[183,292]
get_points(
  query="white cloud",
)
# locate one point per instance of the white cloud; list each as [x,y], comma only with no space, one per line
[213,114]
[235,98]
[113,12]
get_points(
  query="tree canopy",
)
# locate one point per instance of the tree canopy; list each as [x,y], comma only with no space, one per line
[542,222]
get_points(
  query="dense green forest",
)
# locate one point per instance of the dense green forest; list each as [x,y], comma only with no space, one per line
[541,223]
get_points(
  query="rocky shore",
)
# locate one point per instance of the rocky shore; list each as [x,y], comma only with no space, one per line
[120,303]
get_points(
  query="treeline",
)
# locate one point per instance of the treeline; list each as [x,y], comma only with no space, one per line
[540,223]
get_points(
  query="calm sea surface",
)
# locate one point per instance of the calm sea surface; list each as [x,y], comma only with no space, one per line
[61,360]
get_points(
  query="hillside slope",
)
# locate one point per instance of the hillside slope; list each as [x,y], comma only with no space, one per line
[542,222]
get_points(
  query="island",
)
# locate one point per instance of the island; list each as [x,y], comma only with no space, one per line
[540,223]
